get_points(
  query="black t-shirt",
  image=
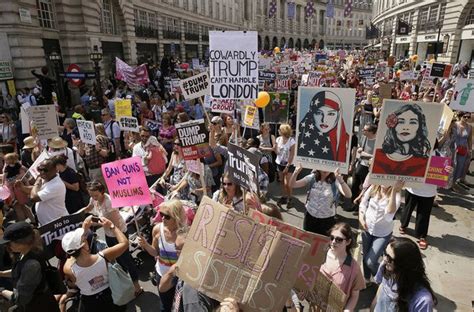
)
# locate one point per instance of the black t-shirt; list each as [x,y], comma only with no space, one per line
[74,200]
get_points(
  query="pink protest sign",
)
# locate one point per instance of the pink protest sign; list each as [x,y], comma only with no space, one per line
[437,173]
[126,182]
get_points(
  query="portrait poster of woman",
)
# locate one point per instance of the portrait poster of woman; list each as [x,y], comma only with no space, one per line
[277,110]
[405,139]
[324,127]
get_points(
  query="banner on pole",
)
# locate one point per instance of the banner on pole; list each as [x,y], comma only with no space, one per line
[194,139]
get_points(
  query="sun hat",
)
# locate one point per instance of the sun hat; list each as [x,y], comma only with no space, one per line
[57,142]
[29,142]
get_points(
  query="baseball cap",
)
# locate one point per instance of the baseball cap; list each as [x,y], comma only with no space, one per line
[72,241]
[16,231]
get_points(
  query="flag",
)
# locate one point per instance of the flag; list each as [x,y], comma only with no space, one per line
[291,9]
[330,9]
[134,76]
[272,8]
[403,28]
[375,31]
[309,9]
[368,33]
[348,8]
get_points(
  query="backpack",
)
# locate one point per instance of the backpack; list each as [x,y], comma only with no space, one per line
[335,191]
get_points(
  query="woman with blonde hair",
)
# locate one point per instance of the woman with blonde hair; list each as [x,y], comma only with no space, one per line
[163,245]
[285,151]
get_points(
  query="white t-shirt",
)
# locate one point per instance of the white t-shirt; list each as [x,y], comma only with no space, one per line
[284,150]
[379,221]
[138,150]
[52,205]
[113,214]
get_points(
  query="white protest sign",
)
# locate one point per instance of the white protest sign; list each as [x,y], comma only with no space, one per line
[223,106]
[233,64]
[86,131]
[463,97]
[25,118]
[129,124]
[45,120]
[33,168]
[407,75]
[195,62]
[195,87]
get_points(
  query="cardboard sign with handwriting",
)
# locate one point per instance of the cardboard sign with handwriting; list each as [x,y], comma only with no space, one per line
[227,254]
[309,269]
[326,296]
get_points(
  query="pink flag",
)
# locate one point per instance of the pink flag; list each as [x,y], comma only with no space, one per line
[133,76]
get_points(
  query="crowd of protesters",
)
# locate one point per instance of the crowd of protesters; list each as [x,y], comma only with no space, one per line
[70,180]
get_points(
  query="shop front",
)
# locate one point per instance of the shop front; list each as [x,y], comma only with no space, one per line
[466,48]
[147,52]
[402,47]
[110,51]
[191,51]
[426,45]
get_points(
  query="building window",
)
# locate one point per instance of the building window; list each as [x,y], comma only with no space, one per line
[218,11]
[470,17]
[210,8]
[195,6]
[46,13]
[108,20]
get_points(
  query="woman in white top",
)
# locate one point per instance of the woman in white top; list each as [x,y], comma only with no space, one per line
[163,245]
[376,212]
[89,272]
[101,205]
[321,202]
[7,130]
[285,152]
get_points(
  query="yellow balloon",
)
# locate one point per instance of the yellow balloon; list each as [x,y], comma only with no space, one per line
[414,58]
[263,99]
[276,50]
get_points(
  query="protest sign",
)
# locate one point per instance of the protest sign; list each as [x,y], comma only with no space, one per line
[324,128]
[266,76]
[223,106]
[326,296]
[437,173]
[25,119]
[45,120]
[195,63]
[123,108]
[366,73]
[233,63]
[440,70]
[33,168]
[59,227]
[445,122]
[282,82]
[314,79]
[126,182]
[385,91]
[249,117]
[277,110]
[129,124]
[228,254]
[264,62]
[309,269]
[195,87]
[194,139]
[407,75]
[194,166]
[463,97]
[243,167]
[405,139]
[86,131]
[152,124]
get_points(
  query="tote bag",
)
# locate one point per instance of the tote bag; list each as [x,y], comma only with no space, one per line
[120,283]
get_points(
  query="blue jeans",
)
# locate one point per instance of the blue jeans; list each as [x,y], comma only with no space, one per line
[373,247]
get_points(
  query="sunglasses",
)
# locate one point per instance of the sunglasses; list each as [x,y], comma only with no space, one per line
[466,116]
[388,257]
[165,216]
[337,239]
[227,184]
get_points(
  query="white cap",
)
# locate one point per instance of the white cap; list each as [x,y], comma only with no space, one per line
[72,241]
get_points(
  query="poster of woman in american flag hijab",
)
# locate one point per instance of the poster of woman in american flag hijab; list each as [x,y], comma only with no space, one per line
[324,128]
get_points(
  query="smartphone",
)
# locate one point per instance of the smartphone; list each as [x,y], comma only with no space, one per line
[95,219]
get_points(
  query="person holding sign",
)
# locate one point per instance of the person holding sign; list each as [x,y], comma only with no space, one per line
[340,267]
[322,198]
[230,194]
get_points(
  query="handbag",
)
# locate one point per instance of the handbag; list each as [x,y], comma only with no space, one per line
[54,280]
[461,150]
[120,283]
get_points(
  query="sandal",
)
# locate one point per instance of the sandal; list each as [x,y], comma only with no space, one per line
[139,292]
[401,230]
[423,244]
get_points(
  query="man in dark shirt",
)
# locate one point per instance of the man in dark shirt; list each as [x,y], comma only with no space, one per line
[46,84]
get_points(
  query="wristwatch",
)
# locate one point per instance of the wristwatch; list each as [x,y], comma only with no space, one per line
[112,226]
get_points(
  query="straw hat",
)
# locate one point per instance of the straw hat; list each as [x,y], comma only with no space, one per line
[29,142]
[57,142]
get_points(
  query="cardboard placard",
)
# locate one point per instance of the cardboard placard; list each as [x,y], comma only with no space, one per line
[463,97]
[59,227]
[195,166]
[266,76]
[282,82]
[152,124]
[45,120]
[243,167]
[129,124]
[126,182]
[233,64]
[227,254]
[309,270]
[437,173]
[25,118]
[33,168]
[86,131]
[324,128]
[326,296]
[255,122]
[195,87]
[445,121]
[405,139]
[277,110]
[223,106]
[385,91]
[440,70]
[249,117]
[123,108]
[194,139]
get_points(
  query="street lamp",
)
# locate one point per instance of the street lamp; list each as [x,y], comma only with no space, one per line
[439,25]
[96,57]
[55,58]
